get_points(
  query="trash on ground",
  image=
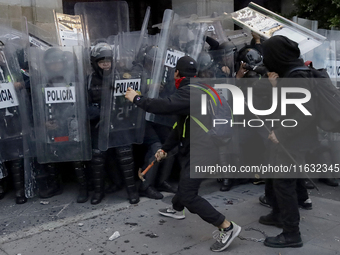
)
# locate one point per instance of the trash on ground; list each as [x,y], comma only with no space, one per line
[114,236]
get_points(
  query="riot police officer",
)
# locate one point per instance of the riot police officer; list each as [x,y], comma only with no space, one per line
[60,126]
[101,61]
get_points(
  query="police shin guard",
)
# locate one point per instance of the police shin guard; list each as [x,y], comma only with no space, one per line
[98,174]
[17,168]
[126,163]
[53,182]
[83,195]
[2,190]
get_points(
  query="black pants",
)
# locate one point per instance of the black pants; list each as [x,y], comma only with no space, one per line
[285,200]
[301,190]
[187,196]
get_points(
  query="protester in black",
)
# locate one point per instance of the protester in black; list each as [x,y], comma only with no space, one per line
[187,195]
[280,55]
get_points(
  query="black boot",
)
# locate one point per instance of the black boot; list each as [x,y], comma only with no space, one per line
[2,190]
[125,159]
[53,182]
[98,173]
[226,184]
[83,195]
[17,168]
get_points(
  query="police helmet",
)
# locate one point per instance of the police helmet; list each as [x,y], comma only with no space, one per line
[54,55]
[204,60]
[101,51]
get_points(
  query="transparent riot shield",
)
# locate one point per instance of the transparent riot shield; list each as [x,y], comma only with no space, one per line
[13,105]
[102,19]
[59,104]
[37,36]
[16,44]
[178,38]
[121,122]
[239,38]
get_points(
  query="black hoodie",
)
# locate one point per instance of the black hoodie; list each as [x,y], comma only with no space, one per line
[281,55]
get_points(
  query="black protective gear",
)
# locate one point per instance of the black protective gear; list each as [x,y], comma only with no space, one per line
[205,61]
[53,181]
[227,184]
[2,190]
[98,174]
[115,176]
[125,159]
[17,169]
[51,57]
[250,56]
[81,177]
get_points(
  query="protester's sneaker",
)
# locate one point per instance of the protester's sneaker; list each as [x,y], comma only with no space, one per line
[224,237]
[170,212]
[307,204]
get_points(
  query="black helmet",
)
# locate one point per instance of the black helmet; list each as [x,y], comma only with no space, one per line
[250,56]
[99,52]
[204,60]
[54,56]
[227,47]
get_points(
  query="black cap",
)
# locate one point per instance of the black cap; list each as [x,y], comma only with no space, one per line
[186,66]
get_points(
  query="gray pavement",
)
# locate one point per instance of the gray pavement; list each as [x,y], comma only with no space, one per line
[65,227]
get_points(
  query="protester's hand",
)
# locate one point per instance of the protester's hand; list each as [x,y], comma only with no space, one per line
[273,137]
[242,71]
[256,37]
[130,94]
[160,154]
[225,69]
[272,76]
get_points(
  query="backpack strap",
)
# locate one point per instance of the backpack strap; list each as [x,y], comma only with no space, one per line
[298,68]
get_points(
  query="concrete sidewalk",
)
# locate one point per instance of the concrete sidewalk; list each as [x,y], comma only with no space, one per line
[65,227]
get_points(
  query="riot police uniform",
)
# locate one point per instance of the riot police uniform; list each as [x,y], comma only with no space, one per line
[123,154]
[61,126]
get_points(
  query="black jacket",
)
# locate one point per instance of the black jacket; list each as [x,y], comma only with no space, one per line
[180,104]
[303,137]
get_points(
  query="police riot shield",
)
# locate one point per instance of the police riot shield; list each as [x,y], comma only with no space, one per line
[59,104]
[239,38]
[13,105]
[177,38]
[102,19]
[121,122]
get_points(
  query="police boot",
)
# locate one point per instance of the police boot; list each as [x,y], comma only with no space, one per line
[53,182]
[226,184]
[125,159]
[98,173]
[83,195]
[2,190]
[18,174]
